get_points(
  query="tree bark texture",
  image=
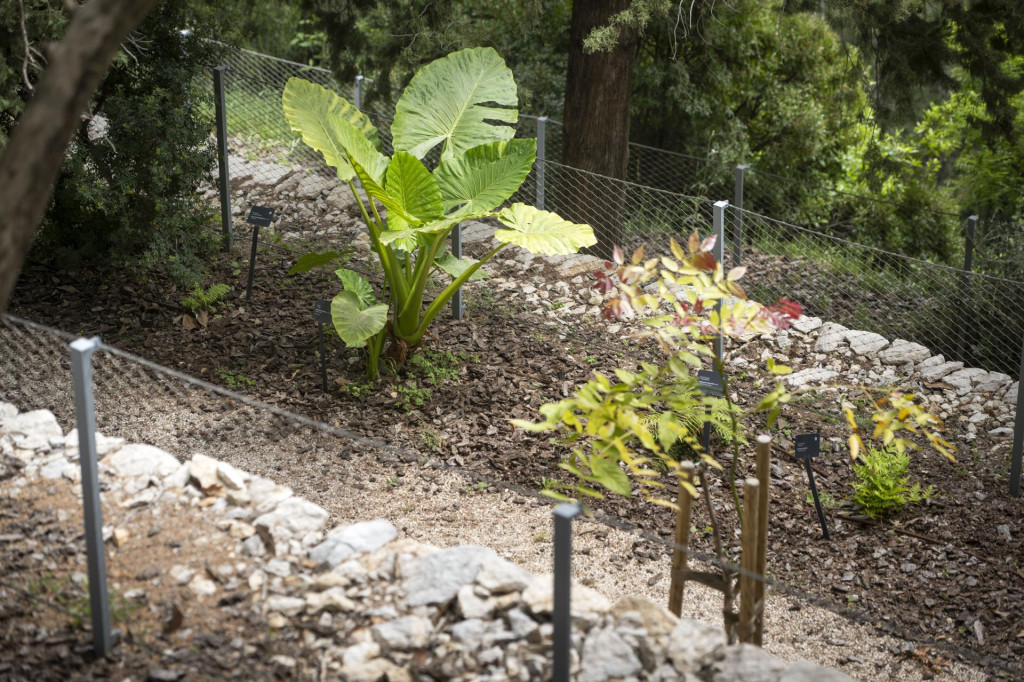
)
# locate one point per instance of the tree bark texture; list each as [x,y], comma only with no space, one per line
[596,135]
[31,161]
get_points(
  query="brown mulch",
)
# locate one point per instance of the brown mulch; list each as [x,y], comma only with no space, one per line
[936,570]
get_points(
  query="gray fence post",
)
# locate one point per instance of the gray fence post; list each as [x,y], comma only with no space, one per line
[965,287]
[357,93]
[457,252]
[220,113]
[1017,453]
[81,372]
[737,219]
[562,616]
[542,140]
[718,214]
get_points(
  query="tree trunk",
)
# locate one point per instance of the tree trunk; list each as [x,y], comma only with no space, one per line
[596,135]
[31,161]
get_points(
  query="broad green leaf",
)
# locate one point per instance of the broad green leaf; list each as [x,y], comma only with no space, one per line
[358,285]
[607,473]
[313,112]
[426,230]
[543,232]
[456,266]
[486,175]
[452,100]
[412,188]
[354,324]
[315,260]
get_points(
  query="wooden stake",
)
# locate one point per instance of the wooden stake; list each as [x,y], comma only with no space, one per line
[748,560]
[682,539]
[764,449]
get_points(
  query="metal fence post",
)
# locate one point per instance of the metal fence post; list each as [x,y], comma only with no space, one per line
[719,253]
[965,287]
[220,113]
[542,139]
[457,252]
[562,617]
[357,93]
[1017,454]
[81,372]
[737,219]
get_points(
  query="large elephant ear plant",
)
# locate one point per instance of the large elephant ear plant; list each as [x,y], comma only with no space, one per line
[464,103]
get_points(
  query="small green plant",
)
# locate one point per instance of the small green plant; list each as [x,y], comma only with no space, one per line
[358,391]
[430,440]
[827,501]
[436,366]
[463,103]
[882,487]
[590,360]
[412,396]
[205,299]
[234,380]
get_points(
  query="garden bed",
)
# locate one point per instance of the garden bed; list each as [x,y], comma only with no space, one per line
[942,570]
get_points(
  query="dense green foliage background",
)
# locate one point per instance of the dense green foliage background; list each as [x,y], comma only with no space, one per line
[915,103]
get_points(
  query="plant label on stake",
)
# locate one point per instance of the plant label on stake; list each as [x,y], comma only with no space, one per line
[259,216]
[710,384]
[322,316]
[807,447]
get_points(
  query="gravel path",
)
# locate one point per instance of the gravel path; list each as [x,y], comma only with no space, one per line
[424,500]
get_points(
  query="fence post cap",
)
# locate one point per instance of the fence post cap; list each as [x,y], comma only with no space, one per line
[721,204]
[84,345]
[567,510]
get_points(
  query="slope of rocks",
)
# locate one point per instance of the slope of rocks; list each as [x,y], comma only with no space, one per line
[370,605]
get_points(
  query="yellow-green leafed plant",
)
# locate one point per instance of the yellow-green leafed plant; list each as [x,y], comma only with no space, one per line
[462,103]
[612,418]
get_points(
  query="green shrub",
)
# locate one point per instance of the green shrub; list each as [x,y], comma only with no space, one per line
[127,195]
[882,486]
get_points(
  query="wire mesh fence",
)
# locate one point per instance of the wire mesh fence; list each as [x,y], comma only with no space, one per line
[854,285]
[352,476]
[964,316]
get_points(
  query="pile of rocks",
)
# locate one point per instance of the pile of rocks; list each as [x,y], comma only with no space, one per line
[372,605]
[823,352]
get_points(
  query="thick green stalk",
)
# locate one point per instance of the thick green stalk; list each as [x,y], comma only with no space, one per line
[438,303]
[408,318]
[374,347]
[385,253]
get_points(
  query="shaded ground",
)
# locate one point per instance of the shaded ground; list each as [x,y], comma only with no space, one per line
[937,570]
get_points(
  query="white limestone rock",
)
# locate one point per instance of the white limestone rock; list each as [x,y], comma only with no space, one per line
[607,656]
[936,372]
[403,634]
[438,577]
[346,541]
[812,375]
[863,343]
[41,423]
[137,459]
[902,351]
[499,576]
[292,519]
[830,337]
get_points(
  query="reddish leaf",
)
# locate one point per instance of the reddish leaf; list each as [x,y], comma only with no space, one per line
[704,261]
[784,313]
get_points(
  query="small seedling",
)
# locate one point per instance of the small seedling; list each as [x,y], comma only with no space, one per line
[234,380]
